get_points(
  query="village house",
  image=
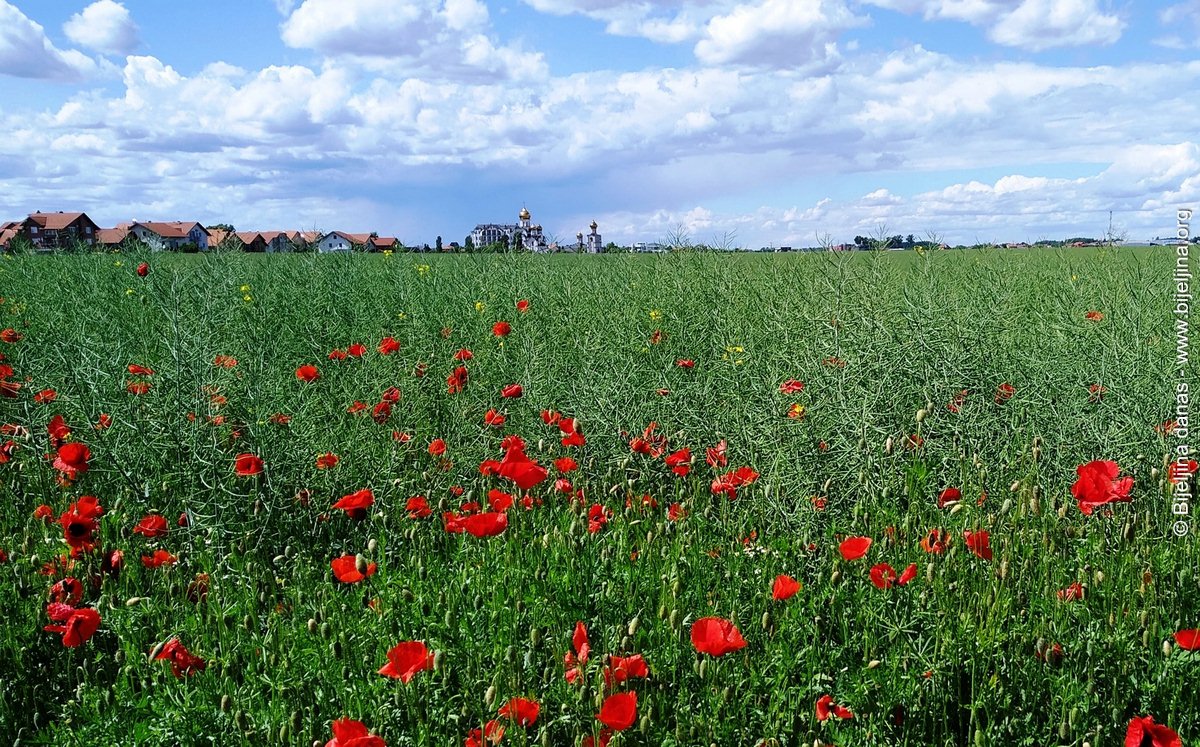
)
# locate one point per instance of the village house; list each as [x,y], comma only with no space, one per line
[54,230]
[383,243]
[169,235]
[340,241]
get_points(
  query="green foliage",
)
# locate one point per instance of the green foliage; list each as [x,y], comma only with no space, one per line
[957,649]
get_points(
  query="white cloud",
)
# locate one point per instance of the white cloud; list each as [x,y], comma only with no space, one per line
[104,26]
[26,52]
[436,38]
[775,33]
[1030,24]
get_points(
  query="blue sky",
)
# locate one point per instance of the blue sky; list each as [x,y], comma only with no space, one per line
[764,122]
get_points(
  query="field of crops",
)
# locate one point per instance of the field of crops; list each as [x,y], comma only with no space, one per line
[675,500]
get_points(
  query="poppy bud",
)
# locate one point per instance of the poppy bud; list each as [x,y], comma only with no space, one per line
[766,620]
[1154,473]
[921,415]
[703,668]
[258,506]
[437,662]
[372,544]
[242,722]
[673,619]
[489,697]
[1063,731]
[360,564]
[337,649]
[133,601]
[834,577]
[662,612]
[279,559]
[1166,648]
[288,551]
[633,626]
[226,703]
[326,631]
[887,446]
[873,664]
[285,733]
[1034,504]
[312,626]
[825,487]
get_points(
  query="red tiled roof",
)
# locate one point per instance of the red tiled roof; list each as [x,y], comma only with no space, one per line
[384,241]
[216,236]
[171,230]
[112,236]
[7,234]
[56,221]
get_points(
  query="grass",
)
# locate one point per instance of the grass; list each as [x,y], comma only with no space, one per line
[949,659]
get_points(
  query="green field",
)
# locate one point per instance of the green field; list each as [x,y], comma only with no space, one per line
[970,652]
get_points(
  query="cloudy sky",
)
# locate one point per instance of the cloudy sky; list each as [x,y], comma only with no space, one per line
[754,122]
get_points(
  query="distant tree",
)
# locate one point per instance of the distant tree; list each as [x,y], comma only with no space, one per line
[862,242]
[437,245]
[517,243]
[221,226]
[909,240]
[468,244]
[503,242]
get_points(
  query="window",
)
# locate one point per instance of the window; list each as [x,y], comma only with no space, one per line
[33,229]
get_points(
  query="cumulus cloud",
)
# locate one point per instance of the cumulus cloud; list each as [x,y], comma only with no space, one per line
[1030,24]
[104,26]
[775,33]
[446,38]
[26,52]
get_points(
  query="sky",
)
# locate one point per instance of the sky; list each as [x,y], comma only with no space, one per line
[745,123]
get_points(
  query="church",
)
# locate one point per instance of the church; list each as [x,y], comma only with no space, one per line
[526,234]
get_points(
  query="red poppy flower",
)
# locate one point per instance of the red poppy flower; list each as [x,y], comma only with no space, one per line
[151,526]
[493,418]
[78,627]
[356,504]
[391,394]
[337,354]
[143,270]
[11,335]
[9,389]
[1188,640]
[183,662]
[381,412]
[501,329]
[1096,392]
[729,483]
[523,305]
[225,361]
[67,591]
[1143,732]
[512,391]
[566,464]
[574,661]
[685,363]
[1004,393]
[357,407]
[521,710]
[388,345]
[622,668]
[680,461]
[159,558]
[327,460]
[1098,485]
[45,396]
[279,419]
[499,500]
[936,541]
[853,548]
[619,711]
[949,496]
[791,386]
[486,524]
[457,380]
[1071,593]
[79,521]
[1093,316]
[58,430]
[715,455]
[716,636]
[406,660]
[345,569]
[248,465]
[785,587]
[826,707]
[357,350]
[43,513]
[834,362]
[574,436]
[350,733]
[675,512]
[418,507]
[656,337]
[978,543]
[72,459]
[139,370]
[521,469]
[104,421]
[598,517]
[437,447]
[308,373]
[137,387]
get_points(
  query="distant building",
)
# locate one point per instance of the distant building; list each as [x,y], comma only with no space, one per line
[651,247]
[168,235]
[54,230]
[525,233]
[594,245]
[340,241]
